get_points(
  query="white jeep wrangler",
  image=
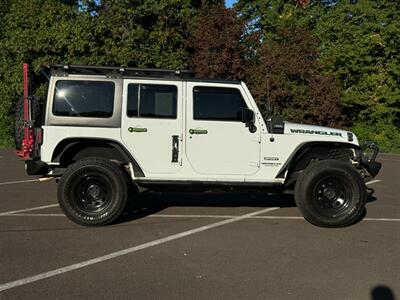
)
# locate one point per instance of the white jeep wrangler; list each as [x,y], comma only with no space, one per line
[106,129]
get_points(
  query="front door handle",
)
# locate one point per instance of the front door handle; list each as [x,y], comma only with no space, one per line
[137,129]
[198,131]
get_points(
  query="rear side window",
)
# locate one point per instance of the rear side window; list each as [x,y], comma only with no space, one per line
[80,98]
[218,104]
[152,101]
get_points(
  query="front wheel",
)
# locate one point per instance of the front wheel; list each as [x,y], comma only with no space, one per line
[331,193]
[93,192]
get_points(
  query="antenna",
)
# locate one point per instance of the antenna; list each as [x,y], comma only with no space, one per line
[269,100]
[269,110]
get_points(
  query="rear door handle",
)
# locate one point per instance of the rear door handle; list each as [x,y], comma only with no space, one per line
[137,129]
[198,131]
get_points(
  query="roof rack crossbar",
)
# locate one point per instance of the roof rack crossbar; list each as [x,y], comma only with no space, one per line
[85,69]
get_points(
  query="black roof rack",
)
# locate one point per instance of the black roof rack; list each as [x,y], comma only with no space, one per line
[111,71]
[121,71]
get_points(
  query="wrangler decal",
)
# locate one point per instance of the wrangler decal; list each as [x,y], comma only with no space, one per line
[304,131]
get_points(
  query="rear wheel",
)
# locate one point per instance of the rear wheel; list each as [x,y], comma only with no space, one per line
[331,193]
[93,192]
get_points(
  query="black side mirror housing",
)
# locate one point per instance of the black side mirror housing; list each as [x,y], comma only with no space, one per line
[247,116]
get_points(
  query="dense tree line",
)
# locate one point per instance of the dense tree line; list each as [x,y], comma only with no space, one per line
[327,62]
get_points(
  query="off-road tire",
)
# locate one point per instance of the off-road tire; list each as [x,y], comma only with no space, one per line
[331,193]
[36,112]
[93,192]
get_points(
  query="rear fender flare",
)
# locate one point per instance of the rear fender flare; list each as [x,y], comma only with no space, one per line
[68,149]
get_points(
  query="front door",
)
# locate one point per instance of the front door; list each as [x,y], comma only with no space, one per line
[217,142]
[152,124]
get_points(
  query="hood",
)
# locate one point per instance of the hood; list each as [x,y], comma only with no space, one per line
[321,131]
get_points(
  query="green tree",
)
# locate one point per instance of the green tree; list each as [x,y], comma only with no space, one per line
[285,69]
[144,33]
[269,17]
[297,52]
[286,73]
[135,33]
[360,46]
[214,45]
[39,32]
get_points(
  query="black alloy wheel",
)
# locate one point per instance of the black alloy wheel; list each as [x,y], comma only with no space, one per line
[331,193]
[93,192]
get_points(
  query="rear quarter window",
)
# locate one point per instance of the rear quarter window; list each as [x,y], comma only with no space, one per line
[84,98]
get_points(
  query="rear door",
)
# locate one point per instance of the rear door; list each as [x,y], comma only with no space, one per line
[217,142]
[152,124]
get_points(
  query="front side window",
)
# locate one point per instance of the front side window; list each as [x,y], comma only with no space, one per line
[218,104]
[152,101]
[83,98]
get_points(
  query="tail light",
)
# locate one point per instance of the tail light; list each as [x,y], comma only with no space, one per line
[38,136]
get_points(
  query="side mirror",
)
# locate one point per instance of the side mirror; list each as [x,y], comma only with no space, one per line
[247,116]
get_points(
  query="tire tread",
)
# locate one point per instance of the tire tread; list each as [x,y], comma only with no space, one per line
[305,180]
[107,165]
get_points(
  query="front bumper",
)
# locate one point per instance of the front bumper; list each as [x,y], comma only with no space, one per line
[370,164]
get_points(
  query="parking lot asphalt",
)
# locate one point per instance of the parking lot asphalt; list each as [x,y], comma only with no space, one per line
[187,246]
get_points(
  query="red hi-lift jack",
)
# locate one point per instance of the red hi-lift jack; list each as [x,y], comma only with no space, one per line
[28,140]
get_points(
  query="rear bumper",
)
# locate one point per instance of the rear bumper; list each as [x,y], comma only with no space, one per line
[36,167]
[370,164]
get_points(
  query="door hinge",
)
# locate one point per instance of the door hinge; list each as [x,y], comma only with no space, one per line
[181,140]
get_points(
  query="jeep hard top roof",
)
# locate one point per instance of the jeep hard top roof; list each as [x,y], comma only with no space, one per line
[127,72]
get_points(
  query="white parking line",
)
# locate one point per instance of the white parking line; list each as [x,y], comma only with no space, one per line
[27,209]
[33,215]
[373,181]
[27,280]
[17,182]
[382,219]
